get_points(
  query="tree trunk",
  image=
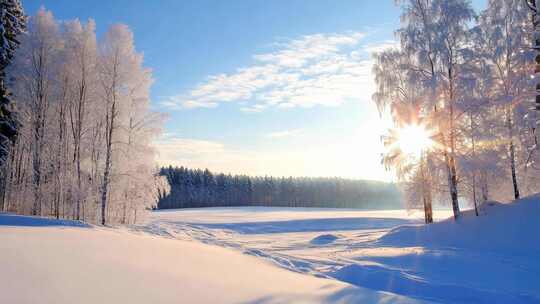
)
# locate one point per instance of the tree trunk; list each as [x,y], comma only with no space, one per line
[474,194]
[109,128]
[426,191]
[452,160]
[485,188]
[108,160]
[453,189]
[452,183]
[512,150]
[474,171]
[36,177]
[513,168]
[428,211]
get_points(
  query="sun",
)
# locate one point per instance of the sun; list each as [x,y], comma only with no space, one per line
[412,140]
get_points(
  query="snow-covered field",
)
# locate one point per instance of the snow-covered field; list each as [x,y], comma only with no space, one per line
[277,255]
[307,240]
[491,259]
[48,261]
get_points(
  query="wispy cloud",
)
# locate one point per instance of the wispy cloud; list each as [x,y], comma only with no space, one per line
[172,147]
[320,69]
[380,46]
[283,134]
[298,53]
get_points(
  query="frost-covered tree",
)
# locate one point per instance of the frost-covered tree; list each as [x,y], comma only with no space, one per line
[533,117]
[128,124]
[472,86]
[504,31]
[432,37]
[35,67]
[81,72]
[399,90]
[85,146]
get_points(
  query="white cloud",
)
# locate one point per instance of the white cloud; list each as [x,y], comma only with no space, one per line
[314,70]
[179,102]
[282,134]
[298,53]
[382,46]
[253,109]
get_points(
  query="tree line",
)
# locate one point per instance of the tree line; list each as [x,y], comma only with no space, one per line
[83,121]
[202,188]
[469,79]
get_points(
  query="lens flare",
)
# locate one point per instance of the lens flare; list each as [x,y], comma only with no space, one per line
[412,140]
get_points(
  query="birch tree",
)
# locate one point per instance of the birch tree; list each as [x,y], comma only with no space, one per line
[124,86]
[399,90]
[85,147]
[81,55]
[503,43]
[433,34]
[36,74]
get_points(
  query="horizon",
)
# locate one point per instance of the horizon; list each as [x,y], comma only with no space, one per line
[214,172]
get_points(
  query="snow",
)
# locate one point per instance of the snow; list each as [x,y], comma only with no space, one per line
[48,261]
[500,228]
[278,255]
[488,259]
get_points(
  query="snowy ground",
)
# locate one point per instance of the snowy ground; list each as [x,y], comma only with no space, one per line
[491,259]
[48,261]
[277,255]
[314,241]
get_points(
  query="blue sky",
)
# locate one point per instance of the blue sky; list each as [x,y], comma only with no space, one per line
[277,87]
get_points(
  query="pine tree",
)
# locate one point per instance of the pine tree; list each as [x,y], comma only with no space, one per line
[12,24]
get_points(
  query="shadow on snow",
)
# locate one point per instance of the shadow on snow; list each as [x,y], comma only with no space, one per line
[30,221]
[308,225]
[397,281]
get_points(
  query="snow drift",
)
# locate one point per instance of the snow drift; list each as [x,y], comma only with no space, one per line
[492,258]
[500,227]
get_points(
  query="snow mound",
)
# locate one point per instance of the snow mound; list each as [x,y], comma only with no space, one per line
[324,239]
[500,227]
